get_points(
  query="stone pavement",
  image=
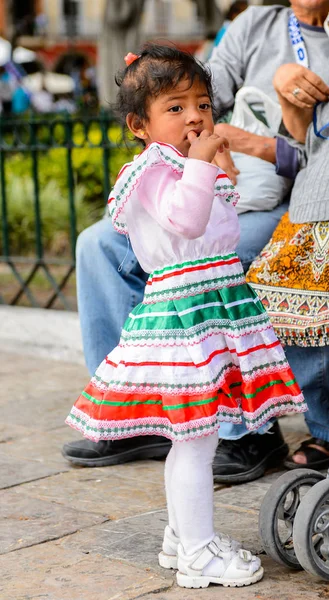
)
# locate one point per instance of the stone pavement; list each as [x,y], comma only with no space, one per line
[76,533]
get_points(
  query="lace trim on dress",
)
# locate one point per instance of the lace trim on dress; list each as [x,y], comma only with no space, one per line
[131,173]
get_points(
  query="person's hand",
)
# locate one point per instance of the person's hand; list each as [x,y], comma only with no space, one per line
[206,145]
[225,162]
[245,143]
[300,86]
[232,133]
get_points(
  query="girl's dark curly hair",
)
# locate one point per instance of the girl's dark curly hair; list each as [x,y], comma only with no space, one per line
[158,69]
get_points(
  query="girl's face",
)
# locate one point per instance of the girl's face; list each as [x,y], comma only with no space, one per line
[173,114]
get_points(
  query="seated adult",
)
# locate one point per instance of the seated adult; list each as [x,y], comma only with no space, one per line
[291,274]
[109,279]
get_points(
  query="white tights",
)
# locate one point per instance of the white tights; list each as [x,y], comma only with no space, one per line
[189,491]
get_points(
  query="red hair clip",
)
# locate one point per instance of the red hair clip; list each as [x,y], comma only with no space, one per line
[130,58]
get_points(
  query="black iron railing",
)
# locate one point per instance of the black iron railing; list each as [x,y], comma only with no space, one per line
[42,155]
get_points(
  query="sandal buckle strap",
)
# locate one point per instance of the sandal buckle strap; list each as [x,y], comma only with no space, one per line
[245,555]
[206,555]
[214,548]
[201,561]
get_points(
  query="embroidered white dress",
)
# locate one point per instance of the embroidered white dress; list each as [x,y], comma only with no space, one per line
[200,348]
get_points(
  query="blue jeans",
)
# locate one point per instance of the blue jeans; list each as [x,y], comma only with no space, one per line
[311,369]
[110,283]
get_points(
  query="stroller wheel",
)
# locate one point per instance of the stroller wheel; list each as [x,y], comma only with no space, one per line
[311,531]
[278,511]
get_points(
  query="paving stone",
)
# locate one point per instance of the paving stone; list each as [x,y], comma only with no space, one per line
[10,431]
[247,496]
[118,492]
[94,557]
[135,539]
[38,395]
[41,448]
[34,456]
[237,511]
[26,522]
[138,539]
[278,583]
[242,526]
[15,472]
[52,572]
[39,411]
[22,373]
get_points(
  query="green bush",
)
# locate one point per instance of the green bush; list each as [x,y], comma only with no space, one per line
[88,175]
[54,208]
[88,168]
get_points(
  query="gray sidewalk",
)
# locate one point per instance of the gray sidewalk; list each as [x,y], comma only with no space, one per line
[76,534]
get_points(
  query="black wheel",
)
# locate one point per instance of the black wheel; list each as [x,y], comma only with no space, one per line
[278,511]
[311,531]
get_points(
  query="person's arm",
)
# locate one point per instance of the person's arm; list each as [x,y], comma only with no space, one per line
[180,206]
[295,119]
[183,206]
[296,115]
[290,157]
[227,63]
[287,157]
[299,86]
[248,143]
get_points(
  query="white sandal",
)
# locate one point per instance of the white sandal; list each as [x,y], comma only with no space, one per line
[219,564]
[168,556]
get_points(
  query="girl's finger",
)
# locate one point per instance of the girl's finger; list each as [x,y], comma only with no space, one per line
[191,136]
[205,134]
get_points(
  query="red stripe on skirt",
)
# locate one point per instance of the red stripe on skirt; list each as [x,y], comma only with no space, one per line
[219,263]
[228,397]
[192,364]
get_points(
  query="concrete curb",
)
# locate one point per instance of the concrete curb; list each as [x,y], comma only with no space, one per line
[35,331]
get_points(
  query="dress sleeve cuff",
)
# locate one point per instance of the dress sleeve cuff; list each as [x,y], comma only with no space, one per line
[200,173]
[287,162]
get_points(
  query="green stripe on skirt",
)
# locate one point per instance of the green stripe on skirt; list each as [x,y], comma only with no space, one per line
[177,314]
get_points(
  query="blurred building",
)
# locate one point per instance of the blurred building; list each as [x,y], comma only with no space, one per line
[56,28]
[65,34]
[83,18]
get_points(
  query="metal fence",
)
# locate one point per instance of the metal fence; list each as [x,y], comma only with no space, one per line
[31,274]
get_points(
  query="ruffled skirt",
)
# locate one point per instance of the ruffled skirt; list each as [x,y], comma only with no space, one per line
[187,363]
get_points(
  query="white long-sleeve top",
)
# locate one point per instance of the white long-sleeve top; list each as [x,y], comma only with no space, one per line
[173,208]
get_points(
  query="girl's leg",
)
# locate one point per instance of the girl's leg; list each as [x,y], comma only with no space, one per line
[191,491]
[203,557]
[167,476]
[185,512]
[168,554]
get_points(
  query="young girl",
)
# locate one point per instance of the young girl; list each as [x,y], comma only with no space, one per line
[199,349]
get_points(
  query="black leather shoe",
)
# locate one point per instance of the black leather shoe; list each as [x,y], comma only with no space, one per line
[238,461]
[104,453]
